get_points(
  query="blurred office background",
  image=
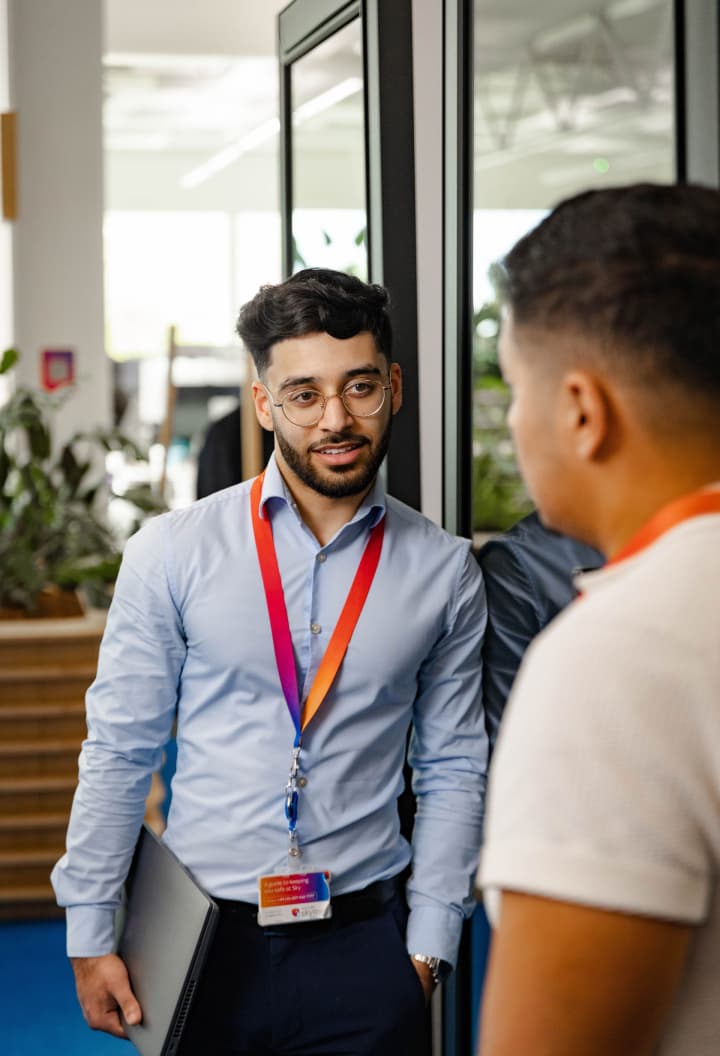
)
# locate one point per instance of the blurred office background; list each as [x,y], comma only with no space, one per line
[168,158]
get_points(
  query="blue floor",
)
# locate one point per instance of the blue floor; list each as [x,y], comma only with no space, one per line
[39,1013]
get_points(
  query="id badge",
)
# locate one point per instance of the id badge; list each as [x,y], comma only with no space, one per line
[291,898]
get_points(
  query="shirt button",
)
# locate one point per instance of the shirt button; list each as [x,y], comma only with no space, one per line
[302,782]
[315,628]
[322,556]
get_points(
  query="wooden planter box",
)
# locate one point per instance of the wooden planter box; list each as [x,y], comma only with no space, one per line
[46,666]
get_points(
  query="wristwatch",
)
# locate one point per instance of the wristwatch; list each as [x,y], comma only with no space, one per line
[439,969]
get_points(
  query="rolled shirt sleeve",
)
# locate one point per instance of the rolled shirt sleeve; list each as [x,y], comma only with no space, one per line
[130,711]
[448,754]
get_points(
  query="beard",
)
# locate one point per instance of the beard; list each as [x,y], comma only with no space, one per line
[337,482]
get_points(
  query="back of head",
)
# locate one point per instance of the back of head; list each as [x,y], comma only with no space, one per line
[316,300]
[636,270]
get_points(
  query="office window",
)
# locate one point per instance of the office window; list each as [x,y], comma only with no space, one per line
[329,221]
[568,96]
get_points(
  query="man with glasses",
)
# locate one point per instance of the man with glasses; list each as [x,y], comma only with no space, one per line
[299,625]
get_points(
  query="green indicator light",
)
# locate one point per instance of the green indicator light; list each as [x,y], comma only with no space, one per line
[601,165]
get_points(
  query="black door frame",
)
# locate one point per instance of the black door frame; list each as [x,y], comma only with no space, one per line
[390,182]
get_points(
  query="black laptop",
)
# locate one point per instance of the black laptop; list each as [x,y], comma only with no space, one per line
[164,939]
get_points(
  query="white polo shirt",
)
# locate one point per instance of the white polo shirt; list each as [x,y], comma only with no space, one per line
[605,785]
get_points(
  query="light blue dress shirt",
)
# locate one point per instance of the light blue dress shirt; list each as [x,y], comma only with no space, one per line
[188,635]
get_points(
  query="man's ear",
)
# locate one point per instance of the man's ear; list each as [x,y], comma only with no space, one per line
[262,406]
[396,387]
[587,413]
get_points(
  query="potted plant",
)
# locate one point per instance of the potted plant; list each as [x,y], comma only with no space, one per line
[54,532]
[56,542]
[499,495]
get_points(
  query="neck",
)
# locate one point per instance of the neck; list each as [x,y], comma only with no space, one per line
[655,491]
[323,514]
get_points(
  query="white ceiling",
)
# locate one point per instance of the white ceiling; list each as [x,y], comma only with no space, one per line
[560,85]
[188,76]
[187,27]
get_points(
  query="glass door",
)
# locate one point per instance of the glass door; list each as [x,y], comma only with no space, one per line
[348,170]
[328,219]
[541,102]
[567,97]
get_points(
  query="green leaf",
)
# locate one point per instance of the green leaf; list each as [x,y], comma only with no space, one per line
[142,496]
[9,358]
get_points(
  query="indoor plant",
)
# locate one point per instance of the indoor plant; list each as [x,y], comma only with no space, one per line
[54,531]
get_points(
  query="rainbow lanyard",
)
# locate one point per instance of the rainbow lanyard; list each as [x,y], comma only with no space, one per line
[303,713]
[706,500]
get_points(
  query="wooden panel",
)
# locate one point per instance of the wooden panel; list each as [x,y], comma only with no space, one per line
[46,667]
[36,795]
[8,175]
[43,722]
[18,832]
[41,759]
[18,685]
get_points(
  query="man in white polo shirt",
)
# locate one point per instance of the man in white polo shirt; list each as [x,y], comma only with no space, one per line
[602,856]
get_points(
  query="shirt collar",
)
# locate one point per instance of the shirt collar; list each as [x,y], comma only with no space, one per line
[373,506]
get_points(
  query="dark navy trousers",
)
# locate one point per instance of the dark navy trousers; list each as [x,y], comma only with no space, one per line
[309,990]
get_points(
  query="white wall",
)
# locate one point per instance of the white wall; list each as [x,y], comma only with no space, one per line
[56,88]
[151,181]
[6,284]
[191,27]
[428,94]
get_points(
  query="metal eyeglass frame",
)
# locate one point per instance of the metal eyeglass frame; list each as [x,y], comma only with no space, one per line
[324,398]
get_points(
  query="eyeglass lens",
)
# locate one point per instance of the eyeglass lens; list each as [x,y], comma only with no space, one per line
[361,399]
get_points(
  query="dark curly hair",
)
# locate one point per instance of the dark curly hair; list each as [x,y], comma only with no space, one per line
[637,270]
[316,300]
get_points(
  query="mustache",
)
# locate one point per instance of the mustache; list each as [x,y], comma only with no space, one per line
[338,438]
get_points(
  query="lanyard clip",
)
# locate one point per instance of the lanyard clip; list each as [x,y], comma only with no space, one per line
[291,807]
[291,804]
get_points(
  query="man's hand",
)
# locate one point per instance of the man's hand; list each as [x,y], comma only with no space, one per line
[426,978]
[103,990]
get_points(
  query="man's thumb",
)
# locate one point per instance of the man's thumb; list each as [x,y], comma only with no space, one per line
[131,1012]
[129,1006]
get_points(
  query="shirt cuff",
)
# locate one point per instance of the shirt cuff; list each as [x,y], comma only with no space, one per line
[435,932]
[90,931]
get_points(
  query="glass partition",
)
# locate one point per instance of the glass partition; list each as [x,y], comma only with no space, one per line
[347,161]
[568,95]
[329,212]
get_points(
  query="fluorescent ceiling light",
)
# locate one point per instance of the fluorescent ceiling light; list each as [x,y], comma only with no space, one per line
[226,157]
[268,129]
[327,99]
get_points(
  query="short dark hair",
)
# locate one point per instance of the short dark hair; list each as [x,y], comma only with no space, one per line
[316,300]
[637,270]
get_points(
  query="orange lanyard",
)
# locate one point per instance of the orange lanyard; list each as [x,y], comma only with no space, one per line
[706,500]
[280,627]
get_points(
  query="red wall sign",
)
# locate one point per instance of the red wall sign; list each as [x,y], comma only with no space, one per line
[57,368]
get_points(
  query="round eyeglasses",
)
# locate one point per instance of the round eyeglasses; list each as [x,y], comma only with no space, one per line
[361,398]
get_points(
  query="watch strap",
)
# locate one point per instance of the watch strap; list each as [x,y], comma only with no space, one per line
[439,969]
